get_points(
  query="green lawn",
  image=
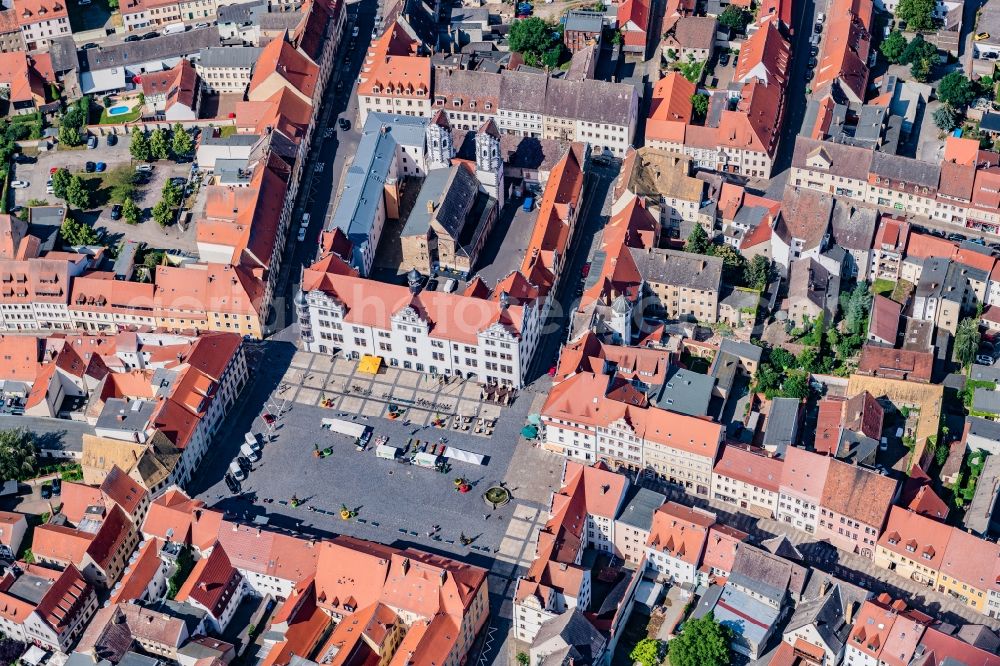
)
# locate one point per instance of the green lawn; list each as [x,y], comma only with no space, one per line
[227,131]
[883,287]
[129,117]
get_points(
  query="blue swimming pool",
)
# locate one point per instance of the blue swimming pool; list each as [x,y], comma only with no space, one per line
[119,110]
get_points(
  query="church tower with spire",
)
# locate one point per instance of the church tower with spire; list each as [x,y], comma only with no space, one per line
[489,164]
[440,143]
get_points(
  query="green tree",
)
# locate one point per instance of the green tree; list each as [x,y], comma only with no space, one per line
[154,259]
[18,454]
[130,212]
[552,57]
[159,145]
[781,358]
[523,659]
[967,339]
[60,181]
[918,14]
[139,146]
[758,272]
[77,233]
[699,104]
[796,385]
[163,213]
[649,652]
[734,264]
[70,126]
[736,18]
[702,642]
[945,118]
[893,47]
[172,194]
[858,306]
[182,143]
[531,37]
[77,194]
[697,241]
[767,381]
[921,69]
[955,90]
[70,136]
[918,48]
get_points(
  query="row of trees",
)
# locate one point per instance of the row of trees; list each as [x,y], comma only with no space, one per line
[160,144]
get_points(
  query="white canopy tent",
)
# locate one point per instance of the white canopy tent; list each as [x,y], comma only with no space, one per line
[343,427]
[452,453]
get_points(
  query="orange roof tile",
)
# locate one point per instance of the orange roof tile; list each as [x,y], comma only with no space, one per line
[281,59]
[681,532]
[916,537]
[961,150]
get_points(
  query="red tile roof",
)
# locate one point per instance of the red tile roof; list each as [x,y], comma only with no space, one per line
[213,582]
[896,363]
[804,473]
[885,318]
[742,464]
[916,537]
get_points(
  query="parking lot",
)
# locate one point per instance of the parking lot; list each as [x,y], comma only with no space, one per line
[394,501]
[117,159]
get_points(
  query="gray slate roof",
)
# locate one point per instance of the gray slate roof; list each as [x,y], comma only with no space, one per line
[242,12]
[986,373]
[674,267]
[685,392]
[453,191]
[847,161]
[986,400]
[853,228]
[592,101]
[570,637]
[162,47]
[584,21]
[984,428]
[229,56]
[782,423]
[906,169]
[639,510]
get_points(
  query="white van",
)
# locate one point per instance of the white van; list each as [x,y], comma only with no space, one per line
[173,29]
[253,440]
[249,452]
[237,471]
[450,285]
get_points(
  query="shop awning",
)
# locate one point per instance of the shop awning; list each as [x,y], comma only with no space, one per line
[370,364]
[386,451]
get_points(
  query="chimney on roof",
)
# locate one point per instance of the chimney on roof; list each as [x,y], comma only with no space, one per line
[406,565]
[444,576]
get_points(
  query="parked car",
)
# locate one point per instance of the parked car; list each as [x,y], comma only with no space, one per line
[145,168]
[199,26]
[302,234]
[46,491]
[112,139]
[268,418]
[101,167]
[133,38]
[90,45]
[178,180]
[812,63]
[432,285]
[232,484]
[90,167]
[984,360]
[818,28]
[813,50]
[151,35]
[354,31]
[585,271]
[116,212]
[57,486]
[450,285]
[19,184]
[53,170]
[91,142]
[21,158]
[724,59]
[809,75]
[306,219]
[344,124]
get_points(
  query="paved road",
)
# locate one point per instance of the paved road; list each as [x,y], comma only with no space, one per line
[803,18]
[331,149]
